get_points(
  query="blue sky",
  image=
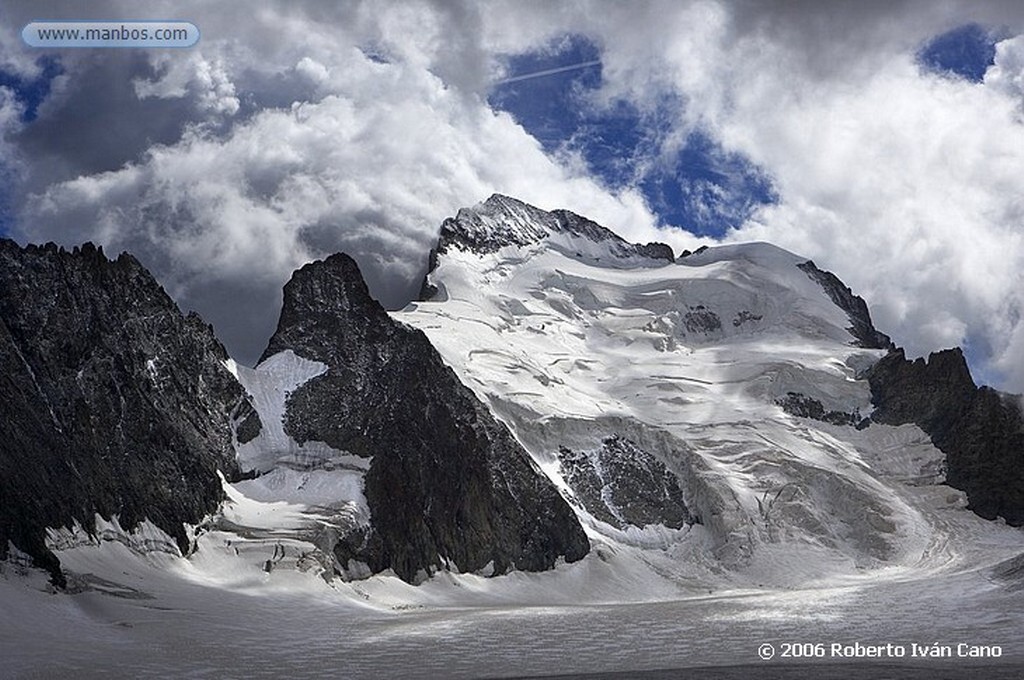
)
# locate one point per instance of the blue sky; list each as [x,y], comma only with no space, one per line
[699,187]
[965,51]
[32,90]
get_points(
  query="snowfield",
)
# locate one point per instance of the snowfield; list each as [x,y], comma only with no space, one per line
[803,531]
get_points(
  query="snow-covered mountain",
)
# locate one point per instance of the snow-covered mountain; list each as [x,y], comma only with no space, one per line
[573,454]
[739,372]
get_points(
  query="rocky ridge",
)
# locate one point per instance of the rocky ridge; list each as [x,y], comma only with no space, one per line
[860,318]
[980,430]
[116,404]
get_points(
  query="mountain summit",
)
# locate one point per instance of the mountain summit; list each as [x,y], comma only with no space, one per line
[502,221]
[743,371]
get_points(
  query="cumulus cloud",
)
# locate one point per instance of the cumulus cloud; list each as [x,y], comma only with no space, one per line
[1007,73]
[10,120]
[14,59]
[908,185]
[207,81]
[11,110]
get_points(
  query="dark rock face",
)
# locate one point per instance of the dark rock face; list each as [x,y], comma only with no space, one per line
[700,319]
[656,251]
[934,394]
[687,253]
[856,309]
[114,402]
[447,482]
[497,222]
[981,431]
[802,406]
[568,222]
[745,316]
[622,484]
[427,289]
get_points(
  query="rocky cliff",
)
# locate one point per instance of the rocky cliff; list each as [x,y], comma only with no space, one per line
[448,486]
[980,430]
[115,403]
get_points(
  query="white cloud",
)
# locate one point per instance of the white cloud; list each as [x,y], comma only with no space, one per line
[314,71]
[1007,73]
[207,80]
[14,58]
[907,184]
[11,111]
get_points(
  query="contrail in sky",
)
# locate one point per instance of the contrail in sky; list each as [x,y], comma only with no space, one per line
[547,72]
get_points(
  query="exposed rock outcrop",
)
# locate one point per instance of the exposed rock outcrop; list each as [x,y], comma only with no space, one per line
[115,403]
[802,406]
[621,484]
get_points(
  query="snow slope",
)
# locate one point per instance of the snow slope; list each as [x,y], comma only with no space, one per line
[304,497]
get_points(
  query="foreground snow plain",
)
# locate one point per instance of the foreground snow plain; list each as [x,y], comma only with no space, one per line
[811,532]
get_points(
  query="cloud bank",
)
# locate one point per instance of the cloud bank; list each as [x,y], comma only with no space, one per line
[369,158]
[298,129]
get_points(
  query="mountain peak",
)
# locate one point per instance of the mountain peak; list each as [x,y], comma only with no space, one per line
[495,223]
[322,303]
[116,404]
[502,221]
